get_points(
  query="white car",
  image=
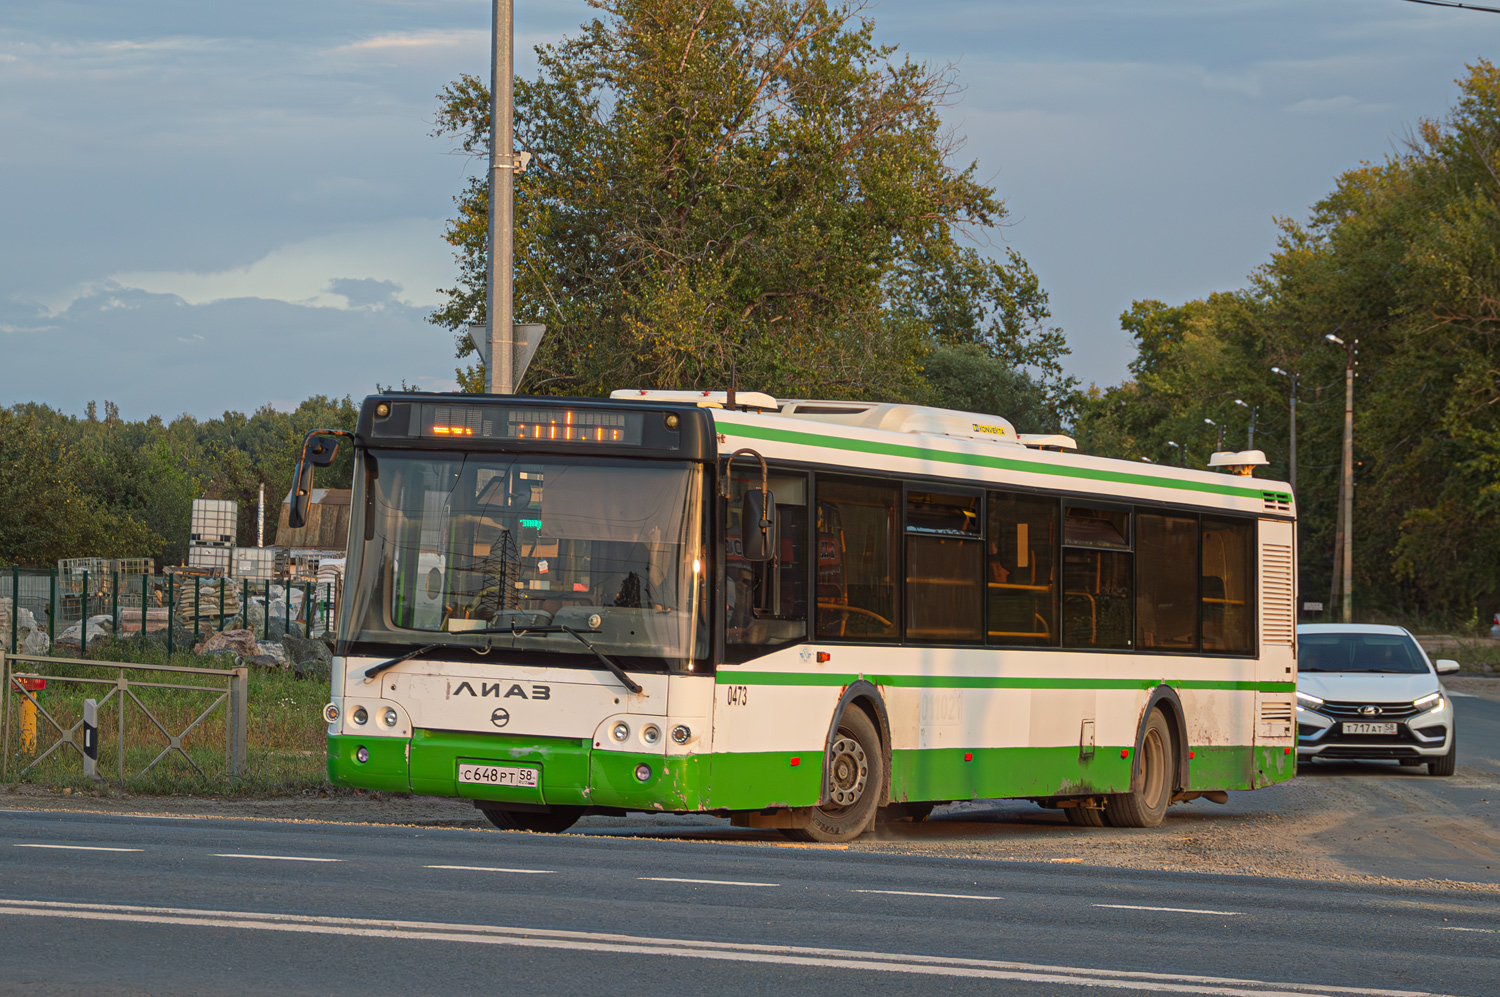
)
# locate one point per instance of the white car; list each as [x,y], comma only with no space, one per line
[1368,691]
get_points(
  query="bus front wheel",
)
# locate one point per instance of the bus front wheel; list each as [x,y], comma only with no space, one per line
[1151,786]
[855,783]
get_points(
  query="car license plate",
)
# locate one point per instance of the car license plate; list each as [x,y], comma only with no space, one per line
[498,775]
[1350,728]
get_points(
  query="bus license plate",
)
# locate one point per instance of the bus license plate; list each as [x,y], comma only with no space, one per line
[498,775]
[1350,728]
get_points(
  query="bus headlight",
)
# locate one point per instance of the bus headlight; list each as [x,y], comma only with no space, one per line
[651,734]
[360,716]
[330,714]
[682,734]
[643,772]
[388,716]
[621,731]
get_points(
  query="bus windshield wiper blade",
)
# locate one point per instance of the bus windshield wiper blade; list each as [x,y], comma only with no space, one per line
[375,670]
[608,662]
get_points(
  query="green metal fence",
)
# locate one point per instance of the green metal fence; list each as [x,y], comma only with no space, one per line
[52,603]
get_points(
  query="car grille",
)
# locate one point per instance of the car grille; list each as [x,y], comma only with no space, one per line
[1393,752]
[1351,711]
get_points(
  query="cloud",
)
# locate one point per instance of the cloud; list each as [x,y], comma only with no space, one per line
[1343,104]
[407,254]
[415,41]
[364,292]
[158,354]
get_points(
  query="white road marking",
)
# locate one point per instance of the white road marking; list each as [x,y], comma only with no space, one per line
[1454,927]
[680,948]
[909,893]
[706,882]
[490,868]
[272,858]
[1172,910]
[84,848]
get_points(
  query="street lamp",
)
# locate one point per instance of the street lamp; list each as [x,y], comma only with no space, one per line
[1250,441]
[1344,538]
[1293,377]
[1220,445]
[1174,443]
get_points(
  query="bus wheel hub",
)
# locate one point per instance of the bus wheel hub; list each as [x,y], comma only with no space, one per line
[848,771]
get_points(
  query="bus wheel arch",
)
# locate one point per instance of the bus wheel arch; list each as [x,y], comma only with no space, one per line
[1164,698]
[856,756]
[1153,774]
[862,695]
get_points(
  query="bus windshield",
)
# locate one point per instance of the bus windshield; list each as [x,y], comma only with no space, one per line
[443,544]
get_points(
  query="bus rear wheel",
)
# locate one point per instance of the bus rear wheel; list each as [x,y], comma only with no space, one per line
[1151,783]
[855,783]
[552,821]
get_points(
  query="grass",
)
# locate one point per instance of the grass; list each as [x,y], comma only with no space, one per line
[285,752]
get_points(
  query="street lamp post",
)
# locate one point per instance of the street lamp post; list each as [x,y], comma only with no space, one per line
[1250,438]
[1293,377]
[500,365]
[1345,536]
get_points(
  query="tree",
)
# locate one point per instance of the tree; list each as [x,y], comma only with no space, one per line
[1404,257]
[741,182]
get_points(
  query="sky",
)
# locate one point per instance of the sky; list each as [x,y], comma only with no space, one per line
[210,206]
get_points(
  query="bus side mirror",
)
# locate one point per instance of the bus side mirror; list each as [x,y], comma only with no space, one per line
[317,451]
[757,525]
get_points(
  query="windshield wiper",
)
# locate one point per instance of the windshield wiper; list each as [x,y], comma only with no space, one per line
[375,670]
[608,662]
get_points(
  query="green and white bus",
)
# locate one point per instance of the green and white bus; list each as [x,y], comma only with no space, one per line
[800,615]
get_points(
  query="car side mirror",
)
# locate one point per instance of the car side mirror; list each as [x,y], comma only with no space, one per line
[1446,666]
[757,525]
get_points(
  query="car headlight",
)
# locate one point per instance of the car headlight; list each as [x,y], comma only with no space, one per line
[1306,701]
[1431,701]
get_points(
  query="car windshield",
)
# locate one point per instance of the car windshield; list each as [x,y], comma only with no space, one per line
[1355,652]
[444,544]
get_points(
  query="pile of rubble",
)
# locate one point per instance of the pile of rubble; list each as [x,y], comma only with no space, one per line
[305,658]
[30,637]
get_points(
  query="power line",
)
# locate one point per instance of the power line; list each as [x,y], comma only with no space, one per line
[1451,3]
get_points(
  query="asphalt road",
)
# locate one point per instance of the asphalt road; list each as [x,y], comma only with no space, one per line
[108,903]
[118,903]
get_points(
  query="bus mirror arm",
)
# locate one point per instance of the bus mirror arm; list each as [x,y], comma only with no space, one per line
[317,451]
[757,507]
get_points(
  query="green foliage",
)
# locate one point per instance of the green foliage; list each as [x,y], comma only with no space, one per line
[747,182]
[1403,256]
[86,487]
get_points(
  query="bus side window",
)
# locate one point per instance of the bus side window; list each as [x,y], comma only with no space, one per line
[766,601]
[1166,611]
[857,558]
[944,542]
[1228,585]
[1097,582]
[1021,573]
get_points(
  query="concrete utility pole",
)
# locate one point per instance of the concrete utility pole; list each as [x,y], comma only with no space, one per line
[499,370]
[1346,485]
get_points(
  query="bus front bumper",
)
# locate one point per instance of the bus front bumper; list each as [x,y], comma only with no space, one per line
[569,771]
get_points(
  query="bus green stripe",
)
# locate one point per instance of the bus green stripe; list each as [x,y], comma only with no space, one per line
[727,676]
[983,460]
